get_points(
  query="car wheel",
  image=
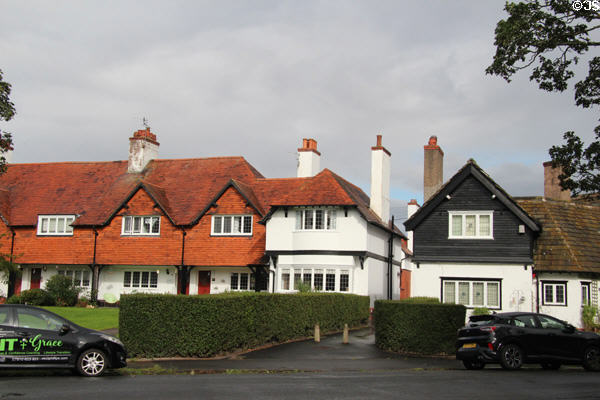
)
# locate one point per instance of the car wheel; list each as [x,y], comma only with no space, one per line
[511,357]
[591,358]
[91,362]
[551,365]
[473,364]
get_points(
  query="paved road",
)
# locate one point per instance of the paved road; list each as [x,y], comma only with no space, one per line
[408,384]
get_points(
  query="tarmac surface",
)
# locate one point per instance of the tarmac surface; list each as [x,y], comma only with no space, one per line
[360,354]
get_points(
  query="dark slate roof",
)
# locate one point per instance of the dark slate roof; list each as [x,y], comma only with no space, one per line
[470,169]
[570,237]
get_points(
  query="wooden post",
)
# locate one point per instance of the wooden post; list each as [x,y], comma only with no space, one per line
[317,333]
[345,337]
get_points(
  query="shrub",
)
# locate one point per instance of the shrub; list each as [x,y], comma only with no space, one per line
[424,328]
[14,299]
[63,291]
[481,311]
[421,300]
[303,287]
[201,326]
[588,316]
[36,297]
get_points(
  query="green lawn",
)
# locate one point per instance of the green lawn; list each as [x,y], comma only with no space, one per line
[93,318]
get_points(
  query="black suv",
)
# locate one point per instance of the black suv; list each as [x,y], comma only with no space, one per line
[32,337]
[515,338]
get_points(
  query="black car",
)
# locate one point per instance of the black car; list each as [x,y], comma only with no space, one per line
[515,338]
[32,337]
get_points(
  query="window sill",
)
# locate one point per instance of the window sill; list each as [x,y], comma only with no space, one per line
[470,238]
[236,235]
[156,235]
[55,235]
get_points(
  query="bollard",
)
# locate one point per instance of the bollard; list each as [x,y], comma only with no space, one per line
[317,333]
[345,337]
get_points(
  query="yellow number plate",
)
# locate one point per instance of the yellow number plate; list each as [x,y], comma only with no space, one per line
[469,345]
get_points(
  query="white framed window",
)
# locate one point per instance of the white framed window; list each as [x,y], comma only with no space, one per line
[140,279]
[585,293]
[135,225]
[328,280]
[471,224]
[242,281]
[316,219]
[232,225]
[57,225]
[554,293]
[472,293]
[80,277]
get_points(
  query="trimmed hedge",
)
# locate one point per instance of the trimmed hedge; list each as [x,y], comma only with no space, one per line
[202,326]
[425,328]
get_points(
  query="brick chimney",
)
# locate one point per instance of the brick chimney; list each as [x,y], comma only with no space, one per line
[380,181]
[309,159]
[552,189]
[433,176]
[143,147]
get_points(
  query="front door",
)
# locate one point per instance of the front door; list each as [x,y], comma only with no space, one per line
[204,282]
[36,278]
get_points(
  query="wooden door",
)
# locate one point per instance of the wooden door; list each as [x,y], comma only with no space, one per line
[203,282]
[36,278]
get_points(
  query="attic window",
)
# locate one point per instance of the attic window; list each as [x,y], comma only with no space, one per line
[141,226]
[471,225]
[232,225]
[55,225]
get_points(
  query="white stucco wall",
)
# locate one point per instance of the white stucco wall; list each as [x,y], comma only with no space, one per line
[517,290]
[3,289]
[220,278]
[111,281]
[571,312]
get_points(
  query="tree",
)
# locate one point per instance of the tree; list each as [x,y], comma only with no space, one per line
[7,111]
[550,36]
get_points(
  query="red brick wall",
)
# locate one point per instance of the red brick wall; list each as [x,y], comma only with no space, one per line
[203,249]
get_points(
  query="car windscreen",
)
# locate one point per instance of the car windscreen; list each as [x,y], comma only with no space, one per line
[480,320]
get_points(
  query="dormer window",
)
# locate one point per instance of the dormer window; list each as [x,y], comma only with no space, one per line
[470,225]
[55,225]
[141,225]
[232,225]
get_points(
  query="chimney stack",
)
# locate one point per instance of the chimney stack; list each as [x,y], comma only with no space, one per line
[552,189]
[380,181]
[143,148]
[309,159]
[433,176]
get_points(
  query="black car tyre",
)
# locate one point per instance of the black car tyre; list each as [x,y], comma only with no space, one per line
[473,364]
[511,356]
[551,365]
[91,362]
[591,358]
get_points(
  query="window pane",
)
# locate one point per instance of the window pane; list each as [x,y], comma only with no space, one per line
[308,219]
[307,278]
[298,220]
[153,279]
[318,219]
[484,225]
[285,279]
[127,279]
[135,279]
[469,225]
[44,225]
[477,293]
[330,280]
[297,279]
[252,282]
[126,224]
[493,294]
[331,216]
[145,279]
[146,225]
[69,228]
[234,281]
[344,281]
[237,224]
[137,224]
[548,294]
[155,224]
[85,280]
[77,278]
[247,224]
[243,281]
[60,227]
[463,292]
[52,227]
[449,292]
[457,225]
[217,224]
[226,224]
[585,294]
[319,279]
[560,294]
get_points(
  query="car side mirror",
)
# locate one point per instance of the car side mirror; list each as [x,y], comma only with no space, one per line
[569,329]
[64,329]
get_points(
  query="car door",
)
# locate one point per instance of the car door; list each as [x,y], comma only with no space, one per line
[41,337]
[526,331]
[8,336]
[557,339]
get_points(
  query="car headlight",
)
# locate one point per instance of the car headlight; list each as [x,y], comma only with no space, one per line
[112,339]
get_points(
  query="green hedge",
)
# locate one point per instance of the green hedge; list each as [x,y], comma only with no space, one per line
[417,328]
[202,326]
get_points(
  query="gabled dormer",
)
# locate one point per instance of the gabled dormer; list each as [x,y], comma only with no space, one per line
[471,218]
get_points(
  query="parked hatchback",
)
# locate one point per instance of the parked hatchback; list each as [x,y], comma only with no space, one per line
[31,337]
[515,338]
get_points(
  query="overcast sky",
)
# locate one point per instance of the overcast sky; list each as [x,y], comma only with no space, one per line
[252,78]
